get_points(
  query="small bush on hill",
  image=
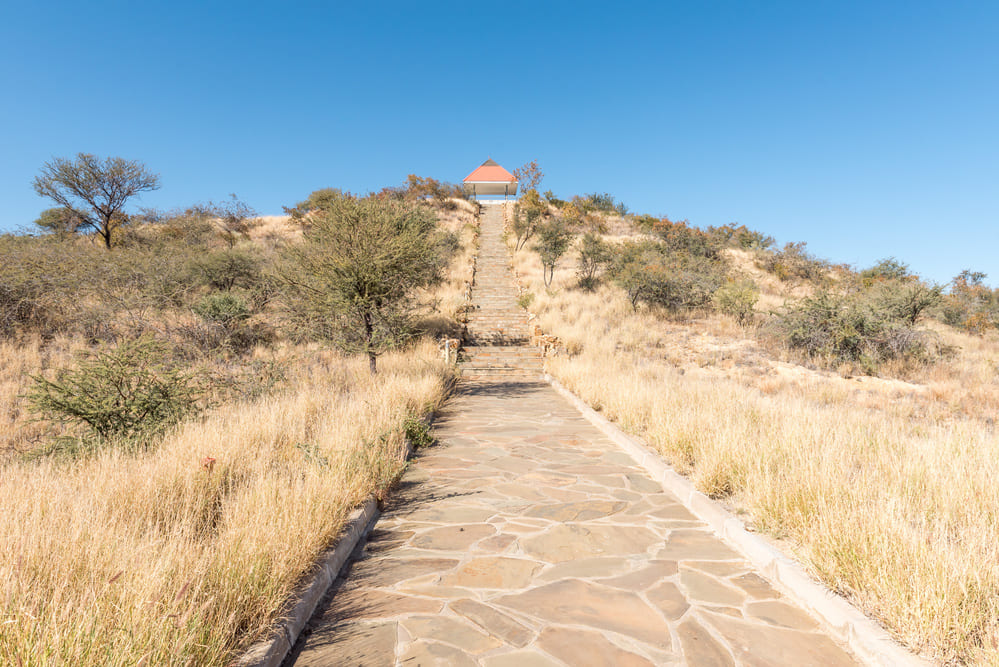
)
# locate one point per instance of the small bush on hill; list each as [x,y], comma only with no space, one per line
[794,262]
[886,269]
[528,213]
[737,298]
[645,222]
[225,269]
[554,239]
[740,236]
[225,324]
[971,305]
[903,300]
[553,200]
[680,237]
[597,202]
[192,227]
[319,200]
[120,392]
[594,256]
[59,220]
[224,308]
[868,327]
[651,273]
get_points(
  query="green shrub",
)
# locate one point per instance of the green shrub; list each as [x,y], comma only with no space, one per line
[119,392]
[681,237]
[645,222]
[740,236]
[794,262]
[594,255]
[225,325]
[59,220]
[886,269]
[554,239]
[417,432]
[319,200]
[525,300]
[528,213]
[602,202]
[868,327]
[736,298]
[222,308]
[971,305]
[352,280]
[903,300]
[225,269]
[651,273]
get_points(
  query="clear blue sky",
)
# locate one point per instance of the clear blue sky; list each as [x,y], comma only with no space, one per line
[867,129]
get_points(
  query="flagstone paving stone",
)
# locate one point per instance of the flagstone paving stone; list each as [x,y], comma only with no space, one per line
[526,538]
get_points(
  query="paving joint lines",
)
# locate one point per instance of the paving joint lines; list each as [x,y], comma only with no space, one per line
[851,626]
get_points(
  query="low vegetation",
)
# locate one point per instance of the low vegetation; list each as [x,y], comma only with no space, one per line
[179,443]
[184,554]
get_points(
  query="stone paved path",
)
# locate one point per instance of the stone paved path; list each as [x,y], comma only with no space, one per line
[497,336]
[525,538]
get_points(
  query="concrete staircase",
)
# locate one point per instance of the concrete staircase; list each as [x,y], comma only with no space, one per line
[497,340]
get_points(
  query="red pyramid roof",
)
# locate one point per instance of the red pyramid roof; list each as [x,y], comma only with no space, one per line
[489,171]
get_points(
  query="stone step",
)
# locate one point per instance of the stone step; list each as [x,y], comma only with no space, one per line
[497,332]
[500,352]
[501,359]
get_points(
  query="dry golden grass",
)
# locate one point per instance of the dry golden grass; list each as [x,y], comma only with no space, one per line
[273,229]
[884,488]
[187,553]
[18,362]
[117,560]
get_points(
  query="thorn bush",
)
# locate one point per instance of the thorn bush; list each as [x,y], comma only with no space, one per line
[119,392]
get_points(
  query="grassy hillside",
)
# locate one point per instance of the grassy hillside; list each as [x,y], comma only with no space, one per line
[181,544]
[876,470]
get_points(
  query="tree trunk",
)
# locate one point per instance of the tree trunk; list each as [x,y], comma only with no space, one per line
[369,334]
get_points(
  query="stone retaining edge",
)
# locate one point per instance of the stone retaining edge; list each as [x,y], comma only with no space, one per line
[868,640]
[272,652]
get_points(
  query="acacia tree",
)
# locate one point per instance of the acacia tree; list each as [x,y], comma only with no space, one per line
[529,175]
[528,212]
[554,239]
[93,190]
[358,266]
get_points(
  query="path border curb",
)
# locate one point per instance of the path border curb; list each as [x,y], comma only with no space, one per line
[271,652]
[868,640]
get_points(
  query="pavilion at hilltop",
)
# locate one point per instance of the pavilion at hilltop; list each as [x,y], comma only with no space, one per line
[490,179]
